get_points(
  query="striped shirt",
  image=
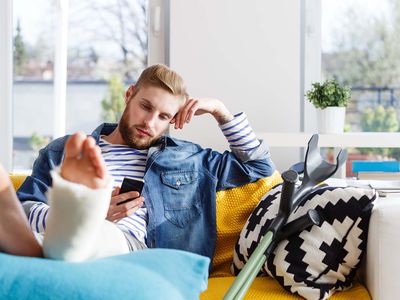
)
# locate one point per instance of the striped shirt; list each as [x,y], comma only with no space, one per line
[122,161]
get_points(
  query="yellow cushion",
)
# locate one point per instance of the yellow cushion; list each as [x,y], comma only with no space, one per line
[266,288]
[17,179]
[234,206]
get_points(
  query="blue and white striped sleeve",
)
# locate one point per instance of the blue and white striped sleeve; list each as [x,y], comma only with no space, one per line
[239,133]
[135,225]
[37,217]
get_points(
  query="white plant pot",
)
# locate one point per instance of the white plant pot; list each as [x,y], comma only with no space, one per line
[331,119]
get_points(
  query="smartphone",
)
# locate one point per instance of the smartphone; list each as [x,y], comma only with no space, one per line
[128,185]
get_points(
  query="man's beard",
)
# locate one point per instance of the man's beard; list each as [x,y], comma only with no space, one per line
[128,135]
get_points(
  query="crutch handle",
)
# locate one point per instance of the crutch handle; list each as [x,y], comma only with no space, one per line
[289,180]
[310,218]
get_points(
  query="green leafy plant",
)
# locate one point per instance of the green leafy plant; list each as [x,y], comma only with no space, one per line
[20,52]
[380,119]
[329,93]
[114,102]
[38,141]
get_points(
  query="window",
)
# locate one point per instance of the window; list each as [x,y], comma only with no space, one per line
[107,49]
[33,45]
[360,48]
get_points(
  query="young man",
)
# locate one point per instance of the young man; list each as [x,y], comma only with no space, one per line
[81,190]
[177,206]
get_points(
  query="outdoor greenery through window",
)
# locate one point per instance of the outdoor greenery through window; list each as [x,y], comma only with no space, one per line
[107,49]
[361,49]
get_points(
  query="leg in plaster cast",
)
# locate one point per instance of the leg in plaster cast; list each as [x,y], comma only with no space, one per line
[76,228]
[16,236]
[83,164]
[76,225]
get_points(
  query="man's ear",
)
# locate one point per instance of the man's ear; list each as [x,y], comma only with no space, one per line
[129,92]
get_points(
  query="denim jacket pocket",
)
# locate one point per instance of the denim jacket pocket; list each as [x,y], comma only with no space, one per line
[181,196]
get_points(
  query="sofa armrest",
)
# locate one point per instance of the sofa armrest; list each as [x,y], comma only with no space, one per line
[383,260]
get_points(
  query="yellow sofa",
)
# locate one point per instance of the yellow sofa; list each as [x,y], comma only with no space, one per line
[233,208]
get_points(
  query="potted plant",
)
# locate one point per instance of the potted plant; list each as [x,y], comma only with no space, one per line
[330,99]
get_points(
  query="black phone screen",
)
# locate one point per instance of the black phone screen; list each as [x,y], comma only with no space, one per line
[129,185]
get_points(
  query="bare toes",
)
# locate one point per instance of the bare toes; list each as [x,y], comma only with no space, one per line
[91,152]
[88,145]
[73,146]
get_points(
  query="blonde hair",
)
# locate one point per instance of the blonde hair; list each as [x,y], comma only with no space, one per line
[163,77]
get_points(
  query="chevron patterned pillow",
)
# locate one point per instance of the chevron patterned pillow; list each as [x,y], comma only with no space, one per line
[318,261]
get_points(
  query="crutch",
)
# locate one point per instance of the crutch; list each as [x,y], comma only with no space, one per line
[316,170]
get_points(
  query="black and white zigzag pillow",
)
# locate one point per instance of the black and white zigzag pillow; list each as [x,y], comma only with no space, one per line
[322,259]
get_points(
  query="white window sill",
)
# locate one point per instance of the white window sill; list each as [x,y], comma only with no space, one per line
[344,140]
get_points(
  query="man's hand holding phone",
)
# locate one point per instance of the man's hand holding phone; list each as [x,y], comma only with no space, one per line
[125,200]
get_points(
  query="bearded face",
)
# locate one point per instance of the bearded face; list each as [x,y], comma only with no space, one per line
[137,136]
[147,116]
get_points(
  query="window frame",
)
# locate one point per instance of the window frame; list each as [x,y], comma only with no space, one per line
[6,79]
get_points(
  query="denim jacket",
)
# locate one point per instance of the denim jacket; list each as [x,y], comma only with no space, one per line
[181,181]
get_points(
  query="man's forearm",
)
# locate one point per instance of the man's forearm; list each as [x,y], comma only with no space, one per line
[222,114]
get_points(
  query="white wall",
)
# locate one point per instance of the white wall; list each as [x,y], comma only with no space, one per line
[246,53]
